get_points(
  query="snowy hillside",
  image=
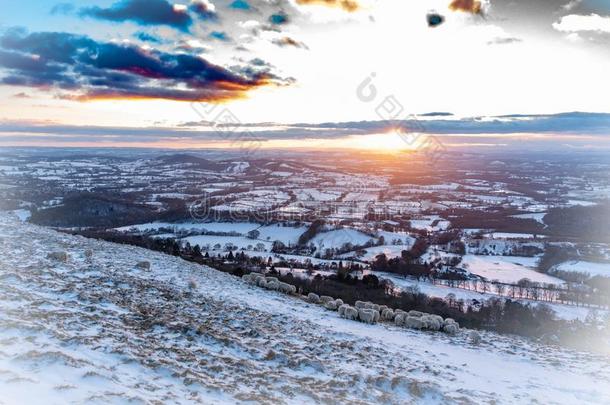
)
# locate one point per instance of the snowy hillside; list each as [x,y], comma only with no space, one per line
[97,329]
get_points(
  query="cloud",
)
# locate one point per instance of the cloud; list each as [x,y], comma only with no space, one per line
[240,5]
[468,6]
[553,129]
[434,19]
[504,41]
[220,36]
[62,9]
[205,9]
[577,23]
[21,95]
[347,5]
[146,37]
[287,41]
[143,12]
[279,19]
[86,70]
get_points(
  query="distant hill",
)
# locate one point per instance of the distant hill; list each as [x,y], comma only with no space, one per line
[184,158]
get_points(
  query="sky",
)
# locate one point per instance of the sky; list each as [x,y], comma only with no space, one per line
[305,73]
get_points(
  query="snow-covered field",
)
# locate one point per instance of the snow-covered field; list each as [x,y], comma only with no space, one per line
[101,331]
[507,269]
[592,268]
[339,237]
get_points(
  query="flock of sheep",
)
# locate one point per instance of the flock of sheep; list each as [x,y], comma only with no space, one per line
[362,311]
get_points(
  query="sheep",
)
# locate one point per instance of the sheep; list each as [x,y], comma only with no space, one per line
[474,337]
[399,311]
[414,322]
[260,281]
[272,285]
[416,314]
[382,308]
[342,309]
[286,288]
[370,305]
[339,302]
[451,328]
[331,305]
[313,298]
[399,318]
[367,315]
[450,321]
[350,313]
[360,304]
[387,314]
[325,298]
[270,279]
[431,322]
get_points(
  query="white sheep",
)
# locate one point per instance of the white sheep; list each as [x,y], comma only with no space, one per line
[416,314]
[339,302]
[325,298]
[451,328]
[313,298]
[272,285]
[360,304]
[342,309]
[366,315]
[399,318]
[431,322]
[260,281]
[331,305]
[270,279]
[414,322]
[350,313]
[286,288]
[387,314]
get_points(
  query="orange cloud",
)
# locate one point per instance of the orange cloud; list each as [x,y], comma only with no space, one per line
[347,5]
[468,6]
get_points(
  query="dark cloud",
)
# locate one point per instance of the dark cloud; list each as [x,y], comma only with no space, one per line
[434,19]
[436,114]
[143,12]
[347,5]
[93,70]
[220,36]
[287,41]
[146,37]
[240,5]
[62,9]
[280,18]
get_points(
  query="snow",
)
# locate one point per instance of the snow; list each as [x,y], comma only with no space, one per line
[102,331]
[592,268]
[510,235]
[536,216]
[237,227]
[506,269]
[339,237]
[287,235]
[372,252]
[209,241]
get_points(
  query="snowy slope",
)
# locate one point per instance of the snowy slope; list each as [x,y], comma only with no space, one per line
[101,331]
